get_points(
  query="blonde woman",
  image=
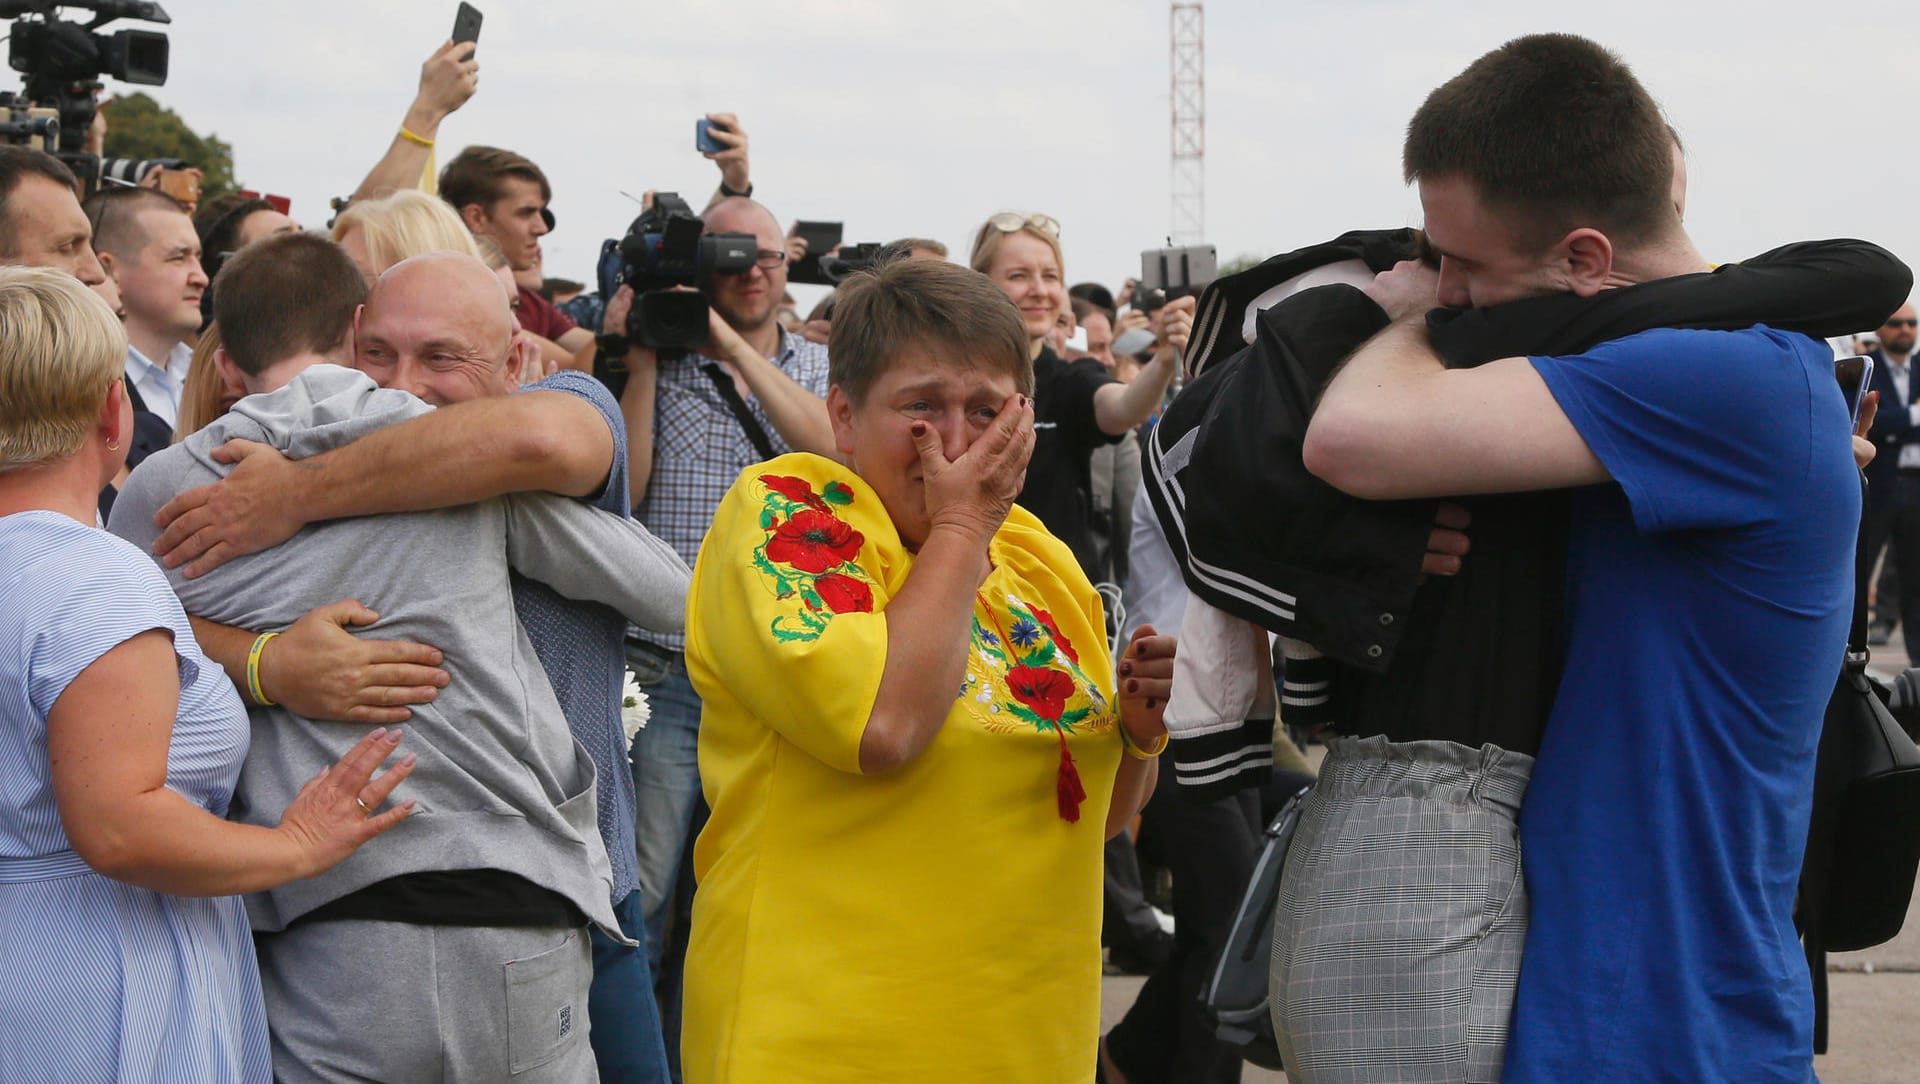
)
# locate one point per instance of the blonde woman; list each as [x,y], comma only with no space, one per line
[379,233]
[205,396]
[1077,406]
[126,949]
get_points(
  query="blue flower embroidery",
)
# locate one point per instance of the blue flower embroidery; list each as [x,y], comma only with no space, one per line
[1024,633]
[989,638]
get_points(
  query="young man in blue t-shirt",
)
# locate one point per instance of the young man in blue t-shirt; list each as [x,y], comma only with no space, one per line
[1708,571]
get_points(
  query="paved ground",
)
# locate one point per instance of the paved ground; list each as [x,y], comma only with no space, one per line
[1875,1017]
[1874,995]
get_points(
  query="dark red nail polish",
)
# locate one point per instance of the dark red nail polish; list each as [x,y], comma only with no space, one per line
[1133,686]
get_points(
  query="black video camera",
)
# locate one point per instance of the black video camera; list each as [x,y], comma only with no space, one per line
[667,247]
[63,62]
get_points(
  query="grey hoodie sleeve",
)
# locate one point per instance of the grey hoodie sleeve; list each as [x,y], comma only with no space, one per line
[593,555]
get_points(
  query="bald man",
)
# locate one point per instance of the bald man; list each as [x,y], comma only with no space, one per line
[437,330]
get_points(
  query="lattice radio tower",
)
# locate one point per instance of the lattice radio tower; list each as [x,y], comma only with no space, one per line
[1189,169]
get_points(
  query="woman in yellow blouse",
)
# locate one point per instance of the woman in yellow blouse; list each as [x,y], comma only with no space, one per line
[912,742]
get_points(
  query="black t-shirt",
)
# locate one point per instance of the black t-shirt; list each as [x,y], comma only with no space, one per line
[1481,656]
[1059,486]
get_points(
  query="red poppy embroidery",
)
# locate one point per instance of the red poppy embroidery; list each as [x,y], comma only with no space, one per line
[1053,630]
[814,541]
[1044,692]
[844,594]
[793,489]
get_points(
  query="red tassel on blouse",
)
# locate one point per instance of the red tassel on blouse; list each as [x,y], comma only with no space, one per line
[1068,790]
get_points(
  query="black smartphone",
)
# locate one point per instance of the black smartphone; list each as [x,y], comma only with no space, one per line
[820,236]
[466,26]
[1856,376]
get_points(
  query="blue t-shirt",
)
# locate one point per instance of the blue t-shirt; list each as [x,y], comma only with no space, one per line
[1707,614]
[579,645]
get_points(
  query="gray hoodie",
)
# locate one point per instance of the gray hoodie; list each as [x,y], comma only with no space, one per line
[501,783]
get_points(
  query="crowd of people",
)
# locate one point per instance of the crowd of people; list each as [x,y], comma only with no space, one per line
[334,560]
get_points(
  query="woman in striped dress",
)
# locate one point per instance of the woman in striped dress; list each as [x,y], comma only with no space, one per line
[124,945]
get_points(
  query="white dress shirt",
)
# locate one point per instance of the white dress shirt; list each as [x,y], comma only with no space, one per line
[160,387]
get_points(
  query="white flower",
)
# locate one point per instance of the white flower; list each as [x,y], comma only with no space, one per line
[633,707]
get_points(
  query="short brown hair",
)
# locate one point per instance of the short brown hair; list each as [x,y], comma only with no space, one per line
[1557,133]
[114,214]
[942,306]
[16,165]
[286,296]
[476,175]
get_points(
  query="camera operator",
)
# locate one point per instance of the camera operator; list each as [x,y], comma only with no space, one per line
[686,445]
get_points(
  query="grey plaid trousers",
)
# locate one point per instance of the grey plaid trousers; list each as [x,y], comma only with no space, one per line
[1401,916]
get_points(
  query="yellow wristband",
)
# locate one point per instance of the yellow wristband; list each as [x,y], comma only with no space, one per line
[410,137]
[253,669]
[1137,753]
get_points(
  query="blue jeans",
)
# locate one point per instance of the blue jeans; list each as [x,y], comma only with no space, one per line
[666,784]
[627,1043]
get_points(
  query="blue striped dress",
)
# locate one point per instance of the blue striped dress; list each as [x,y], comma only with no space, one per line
[100,980]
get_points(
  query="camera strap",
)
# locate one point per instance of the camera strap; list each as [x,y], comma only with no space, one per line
[730,395]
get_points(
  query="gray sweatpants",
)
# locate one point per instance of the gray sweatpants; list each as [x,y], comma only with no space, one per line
[1401,917]
[356,1001]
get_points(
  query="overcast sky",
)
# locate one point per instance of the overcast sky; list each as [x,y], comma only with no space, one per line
[920,118]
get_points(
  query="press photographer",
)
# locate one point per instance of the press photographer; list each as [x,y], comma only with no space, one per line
[751,392]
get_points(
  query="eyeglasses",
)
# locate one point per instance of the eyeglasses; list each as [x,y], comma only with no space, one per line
[1901,323]
[766,259]
[1014,222]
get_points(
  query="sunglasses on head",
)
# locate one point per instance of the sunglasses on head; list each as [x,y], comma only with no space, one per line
[1902,323]
[1014,222]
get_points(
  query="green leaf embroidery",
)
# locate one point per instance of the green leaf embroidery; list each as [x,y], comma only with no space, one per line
[1021,711]
[838,493]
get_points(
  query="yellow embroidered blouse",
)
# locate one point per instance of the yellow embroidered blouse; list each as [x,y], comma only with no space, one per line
[940,922]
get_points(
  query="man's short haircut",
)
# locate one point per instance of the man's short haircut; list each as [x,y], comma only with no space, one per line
[218,223]
[1083,308]
[1554,132]
[16,165]
[479,175]
[914,244]
[406,223]
[955,313]
[60,349]
[114,213]
[286,296]
[1096,293]
[552,288]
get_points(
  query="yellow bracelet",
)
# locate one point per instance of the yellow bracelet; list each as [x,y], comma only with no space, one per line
[1137,753]
[419,140]
[253,669]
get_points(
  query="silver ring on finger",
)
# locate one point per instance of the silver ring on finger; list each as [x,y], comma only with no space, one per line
[364,811]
